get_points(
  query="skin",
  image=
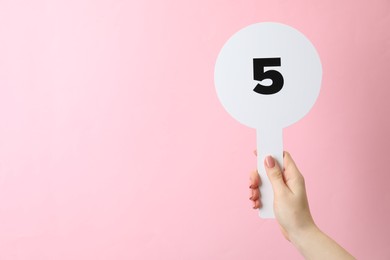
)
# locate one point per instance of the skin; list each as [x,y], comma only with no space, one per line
[292,211]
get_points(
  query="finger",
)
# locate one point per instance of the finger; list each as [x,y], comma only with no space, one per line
[255,194]
[291,170]
[289,164]
[256,204]
[275,174]
[291,173]
[254,180]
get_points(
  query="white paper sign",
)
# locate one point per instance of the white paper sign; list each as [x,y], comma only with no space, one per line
[268,76]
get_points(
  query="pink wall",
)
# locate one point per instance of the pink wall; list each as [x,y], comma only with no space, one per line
[113,144]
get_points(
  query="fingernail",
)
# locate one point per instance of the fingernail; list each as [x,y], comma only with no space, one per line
[270,162]
[254,204]
[251,198]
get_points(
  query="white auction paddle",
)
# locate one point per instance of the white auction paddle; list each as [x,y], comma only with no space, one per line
[268,76]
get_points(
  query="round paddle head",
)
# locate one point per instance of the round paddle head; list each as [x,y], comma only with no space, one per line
[268,74]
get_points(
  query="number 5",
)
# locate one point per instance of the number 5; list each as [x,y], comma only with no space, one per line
[259,75]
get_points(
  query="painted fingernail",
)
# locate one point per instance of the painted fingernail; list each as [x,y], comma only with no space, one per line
[251,198]
[270,162]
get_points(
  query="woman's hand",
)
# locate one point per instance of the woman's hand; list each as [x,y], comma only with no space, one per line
[290,201]
[292,210]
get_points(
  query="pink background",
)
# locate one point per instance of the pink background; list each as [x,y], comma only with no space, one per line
[113,144]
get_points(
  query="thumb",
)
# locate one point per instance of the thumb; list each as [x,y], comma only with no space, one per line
[274,174]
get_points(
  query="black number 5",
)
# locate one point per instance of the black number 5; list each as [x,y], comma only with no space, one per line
[275,76]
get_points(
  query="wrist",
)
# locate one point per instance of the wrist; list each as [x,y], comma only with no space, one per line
[300,236]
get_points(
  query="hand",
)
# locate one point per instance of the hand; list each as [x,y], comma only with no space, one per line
[290,201]
[292,211]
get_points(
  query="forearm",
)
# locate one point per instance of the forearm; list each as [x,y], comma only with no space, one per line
[316,245]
